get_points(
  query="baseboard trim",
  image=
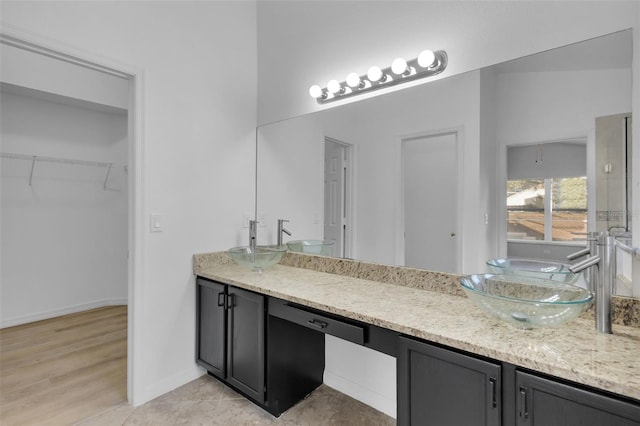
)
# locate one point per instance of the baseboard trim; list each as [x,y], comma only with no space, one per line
[62,311]
[362,394]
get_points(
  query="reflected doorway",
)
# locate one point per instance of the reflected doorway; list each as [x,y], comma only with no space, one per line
[337,171]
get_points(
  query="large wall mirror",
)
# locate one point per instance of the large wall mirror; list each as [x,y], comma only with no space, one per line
[418,177]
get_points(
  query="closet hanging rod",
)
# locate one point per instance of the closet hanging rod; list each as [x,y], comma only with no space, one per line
[56,160]
[34,158]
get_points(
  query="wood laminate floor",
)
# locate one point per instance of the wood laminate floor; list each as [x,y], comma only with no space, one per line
[65,369]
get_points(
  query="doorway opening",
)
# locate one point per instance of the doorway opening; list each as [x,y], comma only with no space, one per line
[110,172]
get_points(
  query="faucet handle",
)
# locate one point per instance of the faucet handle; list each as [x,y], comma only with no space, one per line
[579,253]
[581,266]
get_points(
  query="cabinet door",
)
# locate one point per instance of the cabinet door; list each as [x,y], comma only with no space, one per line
[211,324]
[245,344]
[544,402]
[438,387]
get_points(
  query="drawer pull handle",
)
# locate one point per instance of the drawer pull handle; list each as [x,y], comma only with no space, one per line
[231,301]
[492,383]
[318,324]
[524,412]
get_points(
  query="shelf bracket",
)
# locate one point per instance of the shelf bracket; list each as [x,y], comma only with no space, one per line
[33,166]
[106,178]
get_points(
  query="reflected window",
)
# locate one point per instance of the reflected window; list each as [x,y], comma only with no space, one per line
[553,209]
[547,191]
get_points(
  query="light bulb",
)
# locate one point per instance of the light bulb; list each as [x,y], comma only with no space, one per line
[315,91]
[333,86]
[374,73]
[399,66]
[353,80]
[426,58]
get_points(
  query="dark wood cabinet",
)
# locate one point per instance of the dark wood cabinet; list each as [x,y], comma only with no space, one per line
[211,327]
[245,342]
[272,361]
[545,402]
[437,386]
[441,386]
[231,336]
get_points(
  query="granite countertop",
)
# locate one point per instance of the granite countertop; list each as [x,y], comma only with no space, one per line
[573,352]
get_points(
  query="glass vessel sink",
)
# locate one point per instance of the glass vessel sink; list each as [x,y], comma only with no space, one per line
[262,257]
[526,302]
[534,268]
[322,247]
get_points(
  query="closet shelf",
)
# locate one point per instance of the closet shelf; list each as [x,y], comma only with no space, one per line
[37,158]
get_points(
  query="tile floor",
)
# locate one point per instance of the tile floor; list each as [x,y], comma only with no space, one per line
[206,401]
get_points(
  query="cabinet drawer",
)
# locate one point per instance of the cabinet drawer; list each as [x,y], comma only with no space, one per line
[315,321]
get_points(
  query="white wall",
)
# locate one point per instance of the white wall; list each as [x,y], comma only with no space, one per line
[335,38]
[64,240]
[549,106]
[198,148]
[291,179]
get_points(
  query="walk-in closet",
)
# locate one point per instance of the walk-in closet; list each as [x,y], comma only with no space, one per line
[64,228]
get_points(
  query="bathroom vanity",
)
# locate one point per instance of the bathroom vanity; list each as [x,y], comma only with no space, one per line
[263,335]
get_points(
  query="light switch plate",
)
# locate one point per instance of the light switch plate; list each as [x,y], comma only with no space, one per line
[156,222]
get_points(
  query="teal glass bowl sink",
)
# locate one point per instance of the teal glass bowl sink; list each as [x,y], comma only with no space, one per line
[321,247]
[526,302]
[534,268]
[262,257]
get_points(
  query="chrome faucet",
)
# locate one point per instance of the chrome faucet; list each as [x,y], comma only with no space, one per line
[592,248]
[603,255]
[253,235]
[281,230]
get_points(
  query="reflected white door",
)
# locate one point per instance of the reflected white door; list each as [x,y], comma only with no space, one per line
[430,182]
[335,194]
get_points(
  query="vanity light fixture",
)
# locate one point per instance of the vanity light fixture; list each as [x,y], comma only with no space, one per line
[427,64]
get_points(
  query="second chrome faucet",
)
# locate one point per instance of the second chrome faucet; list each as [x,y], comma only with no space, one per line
[282,230]
[601,280]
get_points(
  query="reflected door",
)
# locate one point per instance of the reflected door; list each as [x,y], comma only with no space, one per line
[430,182]
[335,195]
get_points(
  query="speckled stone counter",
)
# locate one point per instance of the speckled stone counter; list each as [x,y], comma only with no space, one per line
[574,352]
